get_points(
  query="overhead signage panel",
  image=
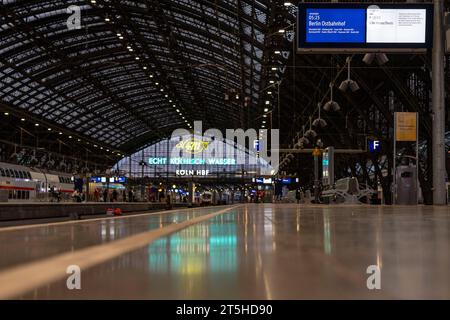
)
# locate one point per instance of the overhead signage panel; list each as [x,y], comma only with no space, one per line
[396,25]
[337,27]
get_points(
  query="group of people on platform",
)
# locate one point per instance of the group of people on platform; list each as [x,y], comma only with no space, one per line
[78,196]
[55,195]
[114,195]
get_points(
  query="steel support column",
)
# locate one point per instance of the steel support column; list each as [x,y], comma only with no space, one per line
[439,171]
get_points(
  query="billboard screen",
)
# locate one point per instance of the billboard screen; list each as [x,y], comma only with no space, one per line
[337,27]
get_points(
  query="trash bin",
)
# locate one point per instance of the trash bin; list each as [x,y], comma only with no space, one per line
[406,185]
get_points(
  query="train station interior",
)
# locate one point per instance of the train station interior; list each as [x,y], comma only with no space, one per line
[224,150]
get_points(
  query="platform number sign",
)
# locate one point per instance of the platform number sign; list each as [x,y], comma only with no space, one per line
[257,147]
[374,146]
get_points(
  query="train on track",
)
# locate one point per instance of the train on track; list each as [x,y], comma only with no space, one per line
[25,184]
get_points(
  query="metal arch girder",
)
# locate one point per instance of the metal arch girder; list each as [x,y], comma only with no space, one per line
[14,110]
[224,9]
[409,98]
[39,39]
[306,79]
[350,99]
[251,40]
[102,28]
[373,96]
[172,45]
[136,33]
[65,97]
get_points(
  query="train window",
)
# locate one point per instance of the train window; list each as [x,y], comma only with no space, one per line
[2,172]
[16,174]
[8,174]
[21,174]
[29,175]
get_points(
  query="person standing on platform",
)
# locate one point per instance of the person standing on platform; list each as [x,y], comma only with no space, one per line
[75,196]
[96,195]
[298,196]
[114,195]
[105,195]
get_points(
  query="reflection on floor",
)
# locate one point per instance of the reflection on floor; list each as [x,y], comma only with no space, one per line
[282,252]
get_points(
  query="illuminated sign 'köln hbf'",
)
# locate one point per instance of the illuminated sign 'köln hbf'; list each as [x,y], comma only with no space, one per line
[192,172]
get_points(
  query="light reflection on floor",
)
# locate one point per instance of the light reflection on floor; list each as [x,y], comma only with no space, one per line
[26,245]
[283,252]
[192,250]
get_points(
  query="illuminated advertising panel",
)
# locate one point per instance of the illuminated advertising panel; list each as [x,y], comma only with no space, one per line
[337,27]
[328,166]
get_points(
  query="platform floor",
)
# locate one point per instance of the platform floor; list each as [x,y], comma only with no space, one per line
[282,251]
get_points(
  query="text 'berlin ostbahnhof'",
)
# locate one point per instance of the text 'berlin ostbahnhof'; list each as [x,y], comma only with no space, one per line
[224,150]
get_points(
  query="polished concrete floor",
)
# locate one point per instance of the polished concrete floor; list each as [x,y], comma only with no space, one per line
[283,251]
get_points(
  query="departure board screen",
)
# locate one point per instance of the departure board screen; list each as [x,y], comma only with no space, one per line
[396,25]
[329,27]
[336,25]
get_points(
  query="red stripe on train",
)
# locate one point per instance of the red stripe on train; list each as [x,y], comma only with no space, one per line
[16,188]
[27,189]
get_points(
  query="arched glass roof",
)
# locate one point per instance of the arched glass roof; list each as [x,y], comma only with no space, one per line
[120,78]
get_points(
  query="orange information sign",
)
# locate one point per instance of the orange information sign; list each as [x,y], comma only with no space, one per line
[406,126]
[317,152]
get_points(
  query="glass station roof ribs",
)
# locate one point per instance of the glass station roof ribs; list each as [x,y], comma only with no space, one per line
[89,80]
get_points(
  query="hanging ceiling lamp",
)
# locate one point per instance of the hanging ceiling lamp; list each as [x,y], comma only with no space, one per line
[319,122]
[303,140]
[310,133]
[331,105]
[349,83]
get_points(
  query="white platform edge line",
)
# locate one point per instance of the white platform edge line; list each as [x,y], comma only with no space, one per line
[106,218]
[24,278]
